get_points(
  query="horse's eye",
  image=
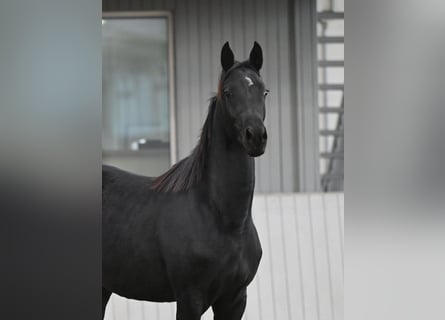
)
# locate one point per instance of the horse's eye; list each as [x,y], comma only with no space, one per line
[227,93]
[266,93]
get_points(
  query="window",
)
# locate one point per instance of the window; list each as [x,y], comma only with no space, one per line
[137,92]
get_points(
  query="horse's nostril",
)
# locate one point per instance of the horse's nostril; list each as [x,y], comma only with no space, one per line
[249,133]
[264,135]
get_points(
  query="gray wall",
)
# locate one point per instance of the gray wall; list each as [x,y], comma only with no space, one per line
[200,29]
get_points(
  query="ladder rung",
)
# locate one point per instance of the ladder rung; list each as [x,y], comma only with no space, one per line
[331,110]
[331,176]
[331,63]
[335,133]
[328,86]
[331,15]
[331,39]
[332,155]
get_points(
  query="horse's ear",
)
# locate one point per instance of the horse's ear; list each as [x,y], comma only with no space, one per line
[227,57]
[256,56]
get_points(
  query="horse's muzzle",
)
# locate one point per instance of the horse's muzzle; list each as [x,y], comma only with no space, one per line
[254,138]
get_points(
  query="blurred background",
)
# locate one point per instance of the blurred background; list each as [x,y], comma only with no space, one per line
[160,67]
[50,141]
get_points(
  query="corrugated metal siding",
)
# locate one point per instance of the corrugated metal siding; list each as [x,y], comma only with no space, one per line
[301,272]
[200,29]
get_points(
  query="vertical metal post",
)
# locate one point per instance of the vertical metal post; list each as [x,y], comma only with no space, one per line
[307,95]
[324,80]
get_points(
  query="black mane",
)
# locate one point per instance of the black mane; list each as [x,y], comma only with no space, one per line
[189,171]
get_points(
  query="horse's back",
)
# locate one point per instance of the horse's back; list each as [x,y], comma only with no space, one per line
[115,176]
[125,191]
[108,175]
[130,245]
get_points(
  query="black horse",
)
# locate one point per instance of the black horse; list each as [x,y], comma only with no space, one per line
[187,235]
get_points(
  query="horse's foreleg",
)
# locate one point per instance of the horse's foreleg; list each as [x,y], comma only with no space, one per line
[230,307]
[105,297]
[189,306]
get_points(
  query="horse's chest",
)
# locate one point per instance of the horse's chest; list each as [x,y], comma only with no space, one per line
[235,267]
[238,265]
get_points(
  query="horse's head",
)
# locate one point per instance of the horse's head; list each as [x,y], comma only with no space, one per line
[242,95]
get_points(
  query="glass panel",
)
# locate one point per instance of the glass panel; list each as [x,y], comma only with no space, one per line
[331,51]
[330,98]
[335,75]
[327,121]
[331,5]
[135,94]
[335,28]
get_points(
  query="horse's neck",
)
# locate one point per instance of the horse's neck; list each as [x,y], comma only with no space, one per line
[231,178]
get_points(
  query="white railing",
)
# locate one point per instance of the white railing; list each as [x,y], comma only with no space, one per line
[301,273]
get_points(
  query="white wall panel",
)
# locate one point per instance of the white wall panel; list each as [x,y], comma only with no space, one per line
[301,272]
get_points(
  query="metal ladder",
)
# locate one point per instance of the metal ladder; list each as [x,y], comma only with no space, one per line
[332,179]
